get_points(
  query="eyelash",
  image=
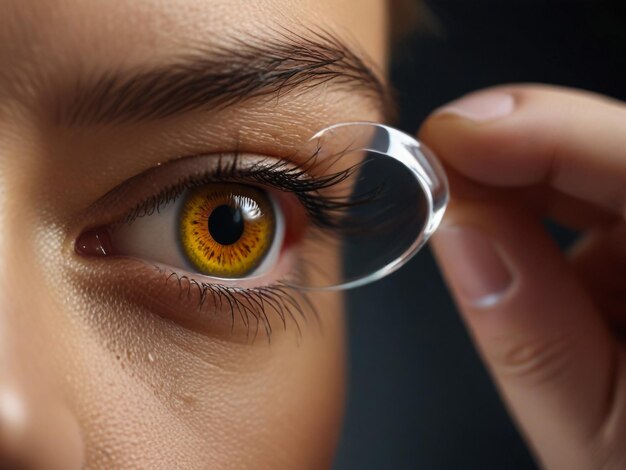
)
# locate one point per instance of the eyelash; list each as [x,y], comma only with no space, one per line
[325,212]
[254,302]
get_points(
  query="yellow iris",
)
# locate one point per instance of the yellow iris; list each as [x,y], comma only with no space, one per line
[226,229]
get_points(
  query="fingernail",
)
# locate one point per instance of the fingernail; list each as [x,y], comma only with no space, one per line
[481,106]
[474,265]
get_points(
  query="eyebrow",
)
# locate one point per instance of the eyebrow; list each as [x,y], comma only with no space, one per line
[239,71]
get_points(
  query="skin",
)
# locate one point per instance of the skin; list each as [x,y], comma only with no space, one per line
[91,375]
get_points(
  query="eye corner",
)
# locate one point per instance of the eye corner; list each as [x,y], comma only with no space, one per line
[94,242]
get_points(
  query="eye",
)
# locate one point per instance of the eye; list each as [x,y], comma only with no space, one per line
[228,231]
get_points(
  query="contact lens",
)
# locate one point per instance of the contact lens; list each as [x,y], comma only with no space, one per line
[226,229]
[391,197]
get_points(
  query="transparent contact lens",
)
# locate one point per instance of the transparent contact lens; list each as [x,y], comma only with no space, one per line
[390,196]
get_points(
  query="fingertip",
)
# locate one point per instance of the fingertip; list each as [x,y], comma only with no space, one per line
[521,135]
[482,106]
[485,137]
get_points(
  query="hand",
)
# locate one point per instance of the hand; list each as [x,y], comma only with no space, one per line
[548,324]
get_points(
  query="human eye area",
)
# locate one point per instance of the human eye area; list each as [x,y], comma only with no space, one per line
[261,232]
[228,224]
[220,230]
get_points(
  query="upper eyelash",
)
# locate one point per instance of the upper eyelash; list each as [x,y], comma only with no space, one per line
[326,212]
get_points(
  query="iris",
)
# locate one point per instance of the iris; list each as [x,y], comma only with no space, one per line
[226,229]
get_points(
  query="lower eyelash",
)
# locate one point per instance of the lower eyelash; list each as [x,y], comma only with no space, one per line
[252,306]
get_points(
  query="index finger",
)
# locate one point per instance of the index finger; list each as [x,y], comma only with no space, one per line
[522,135]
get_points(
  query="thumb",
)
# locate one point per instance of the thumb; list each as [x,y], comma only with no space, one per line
[545,344]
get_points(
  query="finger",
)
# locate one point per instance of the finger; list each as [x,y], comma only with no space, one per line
[543,201]
[524,135]
[539,332]
[600,261]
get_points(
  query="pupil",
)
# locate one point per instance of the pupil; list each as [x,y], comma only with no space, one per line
[226,224]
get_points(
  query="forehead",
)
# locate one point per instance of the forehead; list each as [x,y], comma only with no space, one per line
[47,45]
[70,31]
[122,28]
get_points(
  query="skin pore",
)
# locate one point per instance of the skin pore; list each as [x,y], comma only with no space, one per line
[92,373]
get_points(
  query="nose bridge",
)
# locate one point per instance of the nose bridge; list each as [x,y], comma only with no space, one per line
[18,367]
[15,311]
[16,380]
[37,429]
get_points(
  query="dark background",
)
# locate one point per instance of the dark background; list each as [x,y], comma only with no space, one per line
[419,397]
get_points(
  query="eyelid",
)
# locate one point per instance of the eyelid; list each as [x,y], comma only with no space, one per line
[144,194]
[223,312]
[195,301]
[116,205]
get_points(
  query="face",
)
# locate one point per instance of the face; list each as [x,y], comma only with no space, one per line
[117,349]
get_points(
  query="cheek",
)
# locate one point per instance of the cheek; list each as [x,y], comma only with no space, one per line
[272,405]
[146,388]
[306,402]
